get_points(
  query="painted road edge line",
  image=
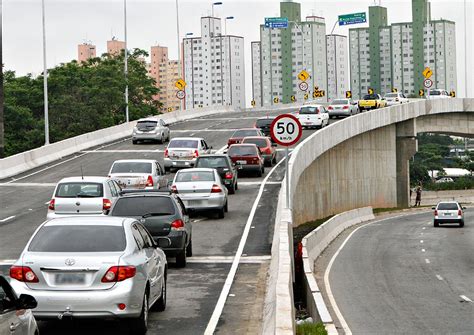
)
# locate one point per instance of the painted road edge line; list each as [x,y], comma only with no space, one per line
[463,297]
[216,314]
[327,285]
[8,218]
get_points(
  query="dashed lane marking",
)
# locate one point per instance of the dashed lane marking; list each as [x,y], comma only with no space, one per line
[423,250]
[8,218]
[463,297]
[250,183]
[7,261]
[421,241]
[204,130]
[427,261]
[439,277]
[229,259]
[120,151]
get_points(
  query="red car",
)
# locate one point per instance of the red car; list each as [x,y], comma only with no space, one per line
[267,149]
[247,157]
[239,135]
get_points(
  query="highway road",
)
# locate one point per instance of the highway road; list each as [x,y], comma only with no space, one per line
[403,276]
[193,291]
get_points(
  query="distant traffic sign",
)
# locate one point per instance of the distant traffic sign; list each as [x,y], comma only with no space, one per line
[276,22]
[421,93]
[286,130]
[306,96]
[253,103]
[353,18]
[427,83]
[427,72]
[276,100]
[370,90]
[180,84]
[394,90]
[348,94]
[180,94]
[304,86]
[303,75]
[452,94]
[293,98]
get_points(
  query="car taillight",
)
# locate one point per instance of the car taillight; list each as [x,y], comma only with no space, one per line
[174,189]
[436,212]
[229,175]
[195,153]
[459,212]
[318,111]
[118,273]
[23,274]
[396,99]
[330,108]
[177,225]
[166,153]
[51,205]
[149,181]
[345,107]
[216,189]
[106,204]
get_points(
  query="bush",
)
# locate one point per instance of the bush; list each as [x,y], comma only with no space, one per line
[463,183]
[311,329]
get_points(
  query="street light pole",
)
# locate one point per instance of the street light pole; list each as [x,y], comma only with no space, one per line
[428,42]
[2,127]
[180,63]
[45,80]
[465,48]
[127,119]
[225,24]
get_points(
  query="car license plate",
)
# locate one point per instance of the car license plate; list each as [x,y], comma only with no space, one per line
[447,214]
[70,278]
[307,122]
[241,162]
[194,202]
[227,181]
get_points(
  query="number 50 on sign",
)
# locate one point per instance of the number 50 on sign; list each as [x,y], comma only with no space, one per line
[286,130]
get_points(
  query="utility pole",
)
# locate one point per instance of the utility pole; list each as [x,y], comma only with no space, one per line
[127,119]
[180,61]
[2,127]
[45,81]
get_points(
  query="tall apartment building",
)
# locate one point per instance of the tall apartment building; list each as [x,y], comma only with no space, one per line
[338,66]
[85,52]
[214,67]
[281,54]
[384,57]
[115,47]
[165,73]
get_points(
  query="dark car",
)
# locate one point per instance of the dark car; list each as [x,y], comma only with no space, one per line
[224,166]
[239,135]
[267,148]
[164,215]
[247,158]
[264,124]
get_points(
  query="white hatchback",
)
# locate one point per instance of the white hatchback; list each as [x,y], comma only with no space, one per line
[448,212]
[396,98]
[313,116]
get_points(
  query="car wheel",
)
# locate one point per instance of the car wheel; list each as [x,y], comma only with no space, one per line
[236,185]
[181,258]
[160,304]
[436,224]
[134,141]
[259,173]
[221,213]
[161,140]
[232,189]
[226,207]
[274,160]
[461,224]
[189,248]
[167,169]
[140,325]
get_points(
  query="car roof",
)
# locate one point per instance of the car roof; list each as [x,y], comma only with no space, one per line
[255,137]
[151,118]
[196,170]
[88,221]
[313,105]
[213,155]
[266,118]
[448,202]
[84,179]
[243,145]
[187,138]
[134,160]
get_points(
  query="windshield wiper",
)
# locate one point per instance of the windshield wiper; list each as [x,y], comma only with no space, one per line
[154,214]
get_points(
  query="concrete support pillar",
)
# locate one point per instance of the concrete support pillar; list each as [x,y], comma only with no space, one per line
[407,146]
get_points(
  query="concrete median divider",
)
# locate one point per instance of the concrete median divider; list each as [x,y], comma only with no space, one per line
[313,245]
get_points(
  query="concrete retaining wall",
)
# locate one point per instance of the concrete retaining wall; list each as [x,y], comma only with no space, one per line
[313,245]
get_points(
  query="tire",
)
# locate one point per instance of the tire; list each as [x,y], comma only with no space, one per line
[259,173]
[274,160]
[189,249]
[226,207]
[221,213]
[167,169]
[436,224]
[461,224]
[181,258]
[160,304]
[232,189]
[140,324]
[236,185]
[161,140]
[134,142]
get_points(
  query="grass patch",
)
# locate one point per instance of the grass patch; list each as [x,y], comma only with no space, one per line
[306,228]
[311,329]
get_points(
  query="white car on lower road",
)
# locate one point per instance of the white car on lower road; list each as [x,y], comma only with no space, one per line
[313,116]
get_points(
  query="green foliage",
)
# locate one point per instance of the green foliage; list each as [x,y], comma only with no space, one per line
[463,183]
[82,98]
[311,329]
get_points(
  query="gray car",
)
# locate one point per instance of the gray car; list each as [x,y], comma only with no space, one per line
[15,312]
[342,107]
[139,174]
[151,129]
[183,151]
[99,267]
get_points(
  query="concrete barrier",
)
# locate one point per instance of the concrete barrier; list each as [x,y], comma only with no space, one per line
[31,159]
[313,245]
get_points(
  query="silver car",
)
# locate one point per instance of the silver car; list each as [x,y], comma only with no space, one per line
[152,129]
[138,174]
[201,189]
[183,151]
[15,312]
[342,107]
[96,268]
[83,196]
[448,212]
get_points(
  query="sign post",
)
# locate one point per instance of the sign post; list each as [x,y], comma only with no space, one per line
[286,130]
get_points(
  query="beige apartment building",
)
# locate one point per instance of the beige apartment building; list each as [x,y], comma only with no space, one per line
[165,73]
[85,51]
[115,47]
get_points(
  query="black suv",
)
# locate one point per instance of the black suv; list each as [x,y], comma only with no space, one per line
[163,214]
[264,124]
[224,166]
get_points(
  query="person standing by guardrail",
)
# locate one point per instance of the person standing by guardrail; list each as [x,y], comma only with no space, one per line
[418,196]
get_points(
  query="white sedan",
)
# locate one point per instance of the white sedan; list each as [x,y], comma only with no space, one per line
[395,99]
[313,116]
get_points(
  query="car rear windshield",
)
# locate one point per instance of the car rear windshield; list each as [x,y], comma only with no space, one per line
[183,144]
[132,167]
[391,95]
[141,205]
[192,176]
[259,142]
[212,162]
[78,190]
[371,97]
[74,238]
[448,206]
[245,133]
[309,110]
[435,92]
[146,124]
[264,122]
[340,102]
[242,150]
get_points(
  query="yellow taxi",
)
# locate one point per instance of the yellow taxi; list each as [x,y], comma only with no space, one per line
[371,101]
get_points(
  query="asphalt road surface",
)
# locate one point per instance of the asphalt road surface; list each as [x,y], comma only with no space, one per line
[403,276]
[193,291]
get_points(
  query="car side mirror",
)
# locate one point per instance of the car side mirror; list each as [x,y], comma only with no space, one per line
[163,242]
[433,207]
[464,208]
[186,218]
[170,182]
[26,301]
[165,124]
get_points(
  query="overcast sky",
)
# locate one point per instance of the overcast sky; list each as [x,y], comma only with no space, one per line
[151,22]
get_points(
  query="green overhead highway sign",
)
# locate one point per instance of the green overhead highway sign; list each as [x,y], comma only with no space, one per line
[276,22]
[353,18]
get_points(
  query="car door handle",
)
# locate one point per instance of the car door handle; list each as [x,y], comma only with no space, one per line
[14,326]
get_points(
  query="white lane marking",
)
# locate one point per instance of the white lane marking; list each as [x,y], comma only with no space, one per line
[7,261]
[28,184]
[423,228]
[280,149]
[229,259]
[8,218]
[421,241]
[198,220]
[463,297]
[203,130]
[427,261]
[329,293]
[439,277]
[423,250]
[250,183]
[119,151]
[65,161]
[221,150]
[216,314]
[229,119]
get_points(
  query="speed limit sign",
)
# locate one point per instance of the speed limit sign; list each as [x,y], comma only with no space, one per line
[286,130]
